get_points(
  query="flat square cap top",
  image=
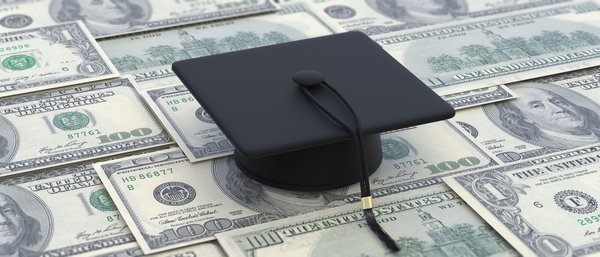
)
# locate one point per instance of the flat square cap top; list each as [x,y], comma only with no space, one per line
[252,98]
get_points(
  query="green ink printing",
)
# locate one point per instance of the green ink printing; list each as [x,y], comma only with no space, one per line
[101,200]
[19,62]
[71,121]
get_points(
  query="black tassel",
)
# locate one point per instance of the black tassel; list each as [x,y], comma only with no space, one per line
[378,230]
[356,133]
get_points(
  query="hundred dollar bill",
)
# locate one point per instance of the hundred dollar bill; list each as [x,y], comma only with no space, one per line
[500,49]
[434,222]
[206,249]
[50,57]
[149,56]
[72,124]
[170,202]
[377,17]
[524,204]
[555,113]
[477,97]
[187,122]
[110,17]
[59,212]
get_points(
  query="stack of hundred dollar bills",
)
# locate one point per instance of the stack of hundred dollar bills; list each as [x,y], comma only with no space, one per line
[103,152]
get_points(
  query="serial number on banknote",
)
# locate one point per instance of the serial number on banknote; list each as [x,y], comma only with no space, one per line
[147,175]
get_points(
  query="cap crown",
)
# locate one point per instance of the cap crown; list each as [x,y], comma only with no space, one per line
[251,96]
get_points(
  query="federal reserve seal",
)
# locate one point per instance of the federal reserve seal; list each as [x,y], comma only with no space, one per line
[174,193]
[16,21]
[340,12]
[71,120]
[202,115]
[575,201]
[393,149]
[18,62]
[101,200]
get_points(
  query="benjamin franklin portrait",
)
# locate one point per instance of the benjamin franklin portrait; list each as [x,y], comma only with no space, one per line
[9,140]
[102,17]
[420,11]
[549,116]
[266,199]
[25,223]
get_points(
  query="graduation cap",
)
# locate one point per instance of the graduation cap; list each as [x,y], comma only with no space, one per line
[306,115]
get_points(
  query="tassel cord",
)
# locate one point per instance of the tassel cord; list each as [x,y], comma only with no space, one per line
[357,136]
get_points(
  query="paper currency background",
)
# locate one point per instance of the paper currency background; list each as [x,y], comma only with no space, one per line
[104,153]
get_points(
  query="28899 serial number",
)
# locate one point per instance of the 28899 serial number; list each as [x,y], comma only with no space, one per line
[589,220]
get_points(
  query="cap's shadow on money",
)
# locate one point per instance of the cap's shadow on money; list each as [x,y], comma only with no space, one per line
[265,199]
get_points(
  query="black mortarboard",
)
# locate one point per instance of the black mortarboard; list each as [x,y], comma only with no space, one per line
[281,137]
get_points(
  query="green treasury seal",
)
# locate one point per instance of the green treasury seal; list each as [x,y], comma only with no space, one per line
[18,62]
[393,149]
[71,120]
[102,201]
